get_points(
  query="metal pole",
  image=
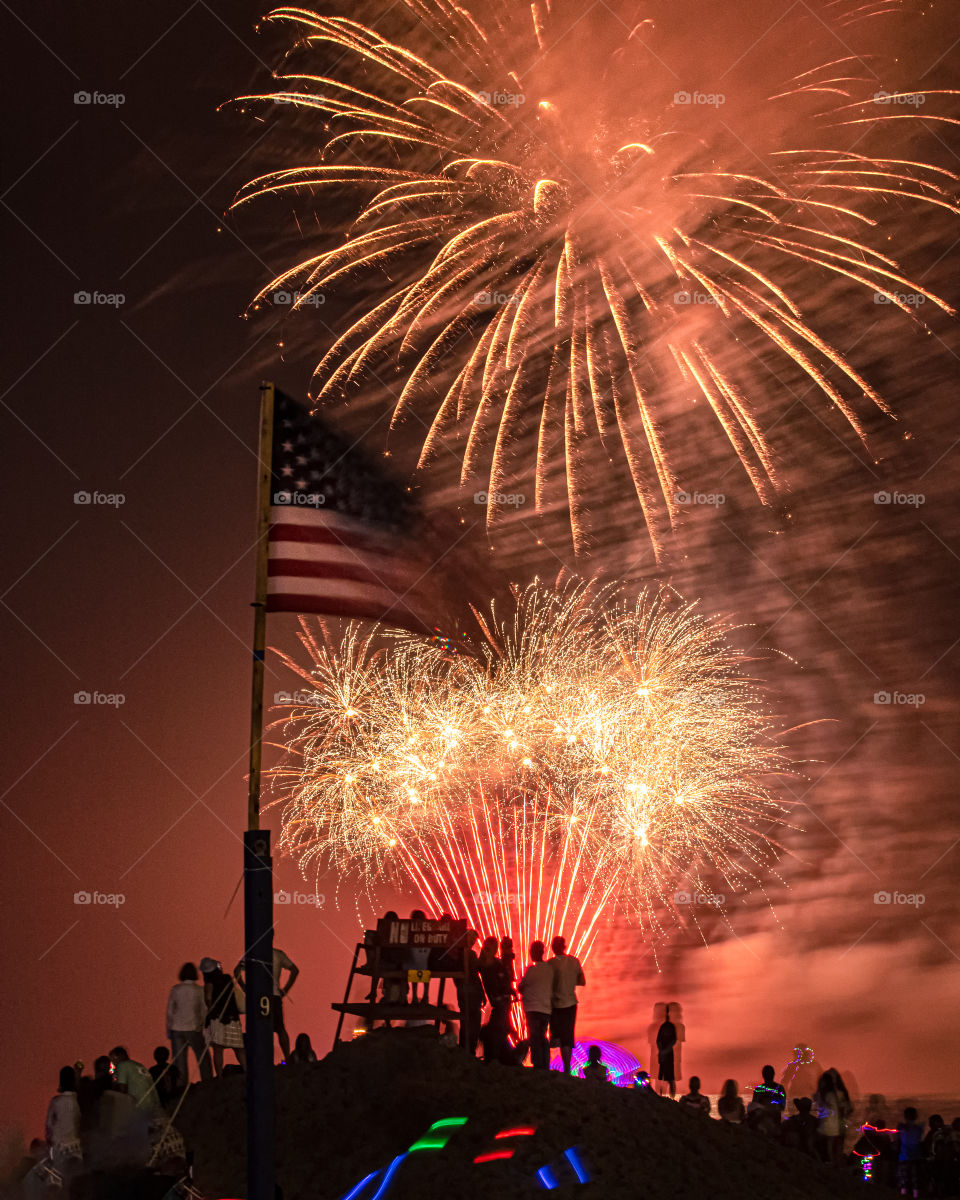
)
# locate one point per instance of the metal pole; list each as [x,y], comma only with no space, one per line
[258,870]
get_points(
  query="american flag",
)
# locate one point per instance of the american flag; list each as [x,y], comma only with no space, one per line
[341,535]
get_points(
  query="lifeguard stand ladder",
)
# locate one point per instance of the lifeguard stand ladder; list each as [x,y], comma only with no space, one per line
[385,949]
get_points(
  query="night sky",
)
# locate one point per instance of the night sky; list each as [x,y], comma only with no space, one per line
[149,399]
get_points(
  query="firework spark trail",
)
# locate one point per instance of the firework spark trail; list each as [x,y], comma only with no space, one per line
[585,232]
[591,754]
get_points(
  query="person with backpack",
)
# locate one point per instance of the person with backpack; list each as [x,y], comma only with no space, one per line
[222,1023]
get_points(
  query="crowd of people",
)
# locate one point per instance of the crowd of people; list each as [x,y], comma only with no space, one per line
[122,1116]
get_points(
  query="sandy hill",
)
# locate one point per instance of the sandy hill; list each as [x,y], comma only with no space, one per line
[372,1099]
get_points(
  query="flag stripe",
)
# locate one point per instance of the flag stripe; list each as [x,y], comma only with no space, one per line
[340,534]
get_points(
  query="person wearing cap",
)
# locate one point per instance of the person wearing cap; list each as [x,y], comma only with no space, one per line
[222,1022]
[185,1013]
[281,963]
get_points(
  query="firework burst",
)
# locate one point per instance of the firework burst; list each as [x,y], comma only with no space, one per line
[560,245]
[591,754]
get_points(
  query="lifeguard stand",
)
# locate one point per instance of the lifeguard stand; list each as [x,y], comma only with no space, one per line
[385,950]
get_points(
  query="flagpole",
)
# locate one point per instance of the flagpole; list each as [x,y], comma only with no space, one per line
[258,867]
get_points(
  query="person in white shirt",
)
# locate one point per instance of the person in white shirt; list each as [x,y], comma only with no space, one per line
[185,1013]
[63,1123]
[567,977]
[536,991]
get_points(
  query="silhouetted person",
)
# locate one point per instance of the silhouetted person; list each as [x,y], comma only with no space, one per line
[185,1013]
[469,991]
[222,1022]
[281,963]
[730,1106]
[418,959]
[166,1079]
[910,1156]
[496,984]
[799,1132]
[595,1070]
[303,1052]
[834,1108]
[133,1078]
[63,1124]
[567,977]
[666,1041]
[695,1101]
[536,991]
[771,1094]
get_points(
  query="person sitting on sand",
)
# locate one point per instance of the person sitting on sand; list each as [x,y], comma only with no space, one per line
[165,1076]
[695,1101]
[730,1106]
[799,1132]
[595,1070]
[303,1052]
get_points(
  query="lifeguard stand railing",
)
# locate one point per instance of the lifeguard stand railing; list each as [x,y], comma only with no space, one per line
[388,958]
